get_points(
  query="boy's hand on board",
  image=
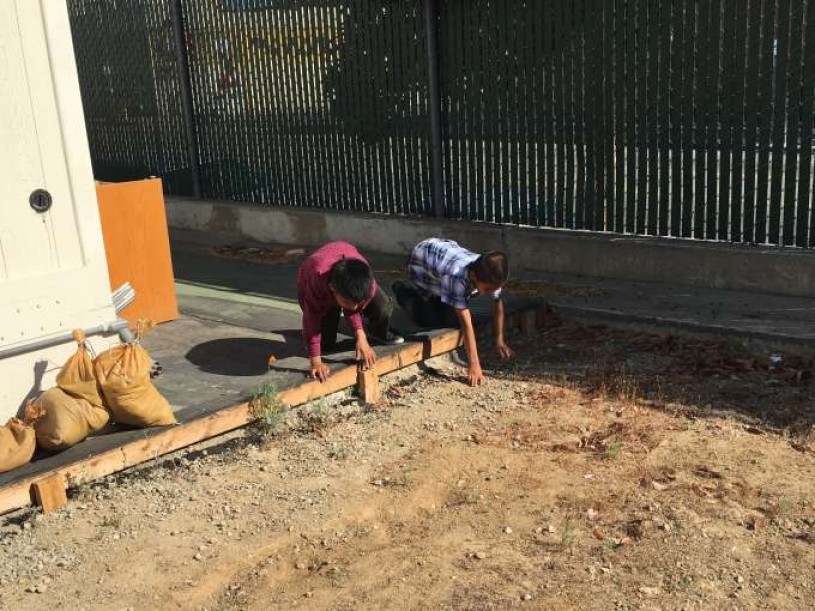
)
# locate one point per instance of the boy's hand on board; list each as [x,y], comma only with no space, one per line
[365,353]
[319,370]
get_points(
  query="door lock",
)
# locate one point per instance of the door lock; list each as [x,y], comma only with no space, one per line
[40,200]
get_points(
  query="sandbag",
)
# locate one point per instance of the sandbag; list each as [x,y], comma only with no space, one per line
[77,377]
[17,444]
[66,420]
[124,376]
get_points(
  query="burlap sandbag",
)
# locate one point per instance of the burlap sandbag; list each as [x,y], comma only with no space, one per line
[77,377]
[124,376]
[17,444]
[66,420]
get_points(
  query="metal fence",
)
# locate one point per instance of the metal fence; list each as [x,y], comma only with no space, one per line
[690,118]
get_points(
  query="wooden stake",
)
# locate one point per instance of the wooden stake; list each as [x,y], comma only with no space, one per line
[368,386]
[51,493]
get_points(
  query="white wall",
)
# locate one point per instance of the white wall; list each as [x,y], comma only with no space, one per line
[53,272]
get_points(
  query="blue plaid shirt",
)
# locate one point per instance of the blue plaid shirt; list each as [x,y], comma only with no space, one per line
[439,267]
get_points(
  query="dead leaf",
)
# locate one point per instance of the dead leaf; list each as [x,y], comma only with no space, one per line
[659,487]
[598,534]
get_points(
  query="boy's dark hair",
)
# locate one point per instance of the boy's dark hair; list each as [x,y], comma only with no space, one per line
[491,268]
[352,279]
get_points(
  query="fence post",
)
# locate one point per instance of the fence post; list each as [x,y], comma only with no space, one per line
[431,13]
[185,86]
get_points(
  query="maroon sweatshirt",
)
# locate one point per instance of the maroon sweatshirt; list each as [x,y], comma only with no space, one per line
[316,298]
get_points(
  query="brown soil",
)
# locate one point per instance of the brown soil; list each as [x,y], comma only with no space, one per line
[603,469]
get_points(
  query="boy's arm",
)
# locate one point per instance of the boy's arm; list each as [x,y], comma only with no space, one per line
[364,352]
[312,337]
[498,318]
[475,373]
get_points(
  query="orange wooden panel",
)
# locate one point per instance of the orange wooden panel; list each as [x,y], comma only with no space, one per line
[137,243]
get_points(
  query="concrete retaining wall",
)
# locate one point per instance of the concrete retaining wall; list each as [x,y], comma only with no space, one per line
[768,270]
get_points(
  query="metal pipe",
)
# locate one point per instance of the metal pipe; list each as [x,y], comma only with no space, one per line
[185,86]
[431,12]
[118,326]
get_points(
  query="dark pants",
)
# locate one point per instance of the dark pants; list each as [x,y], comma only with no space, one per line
[425,310]
[377,314]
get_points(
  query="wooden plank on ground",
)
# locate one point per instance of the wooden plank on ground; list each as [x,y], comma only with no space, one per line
[18,494]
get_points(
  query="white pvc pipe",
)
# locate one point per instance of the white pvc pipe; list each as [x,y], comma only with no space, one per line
[118,326]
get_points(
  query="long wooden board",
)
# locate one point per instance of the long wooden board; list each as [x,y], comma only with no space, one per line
[19,494]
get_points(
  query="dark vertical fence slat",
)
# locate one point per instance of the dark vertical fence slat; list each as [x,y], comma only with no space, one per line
[664,116]
[578,114]
[793,137]
[594,110]
[756,25]
[505,83]
[779,122]
[655,85]
[642,115]
[675,116]
[727,104]
[765,119]
[185,87]
[620,115]
[711,112]
[549,95]
[630,137]
[609,84]
[559,112]
[704,66]
[802,222]
[740,71]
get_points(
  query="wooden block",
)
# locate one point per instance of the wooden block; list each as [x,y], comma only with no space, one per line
[51,494]
[368,386]
[529,322]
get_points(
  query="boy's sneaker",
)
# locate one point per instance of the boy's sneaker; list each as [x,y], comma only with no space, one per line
[390,339]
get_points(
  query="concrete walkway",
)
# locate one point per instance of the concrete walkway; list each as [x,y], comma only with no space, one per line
[777,320]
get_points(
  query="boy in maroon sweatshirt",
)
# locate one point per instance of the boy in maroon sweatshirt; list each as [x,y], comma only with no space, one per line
[334,278]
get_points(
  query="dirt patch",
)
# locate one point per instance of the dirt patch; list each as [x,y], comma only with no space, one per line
[603,469]
[259,254]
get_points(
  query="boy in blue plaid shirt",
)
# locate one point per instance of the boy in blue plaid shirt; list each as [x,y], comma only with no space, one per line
[443,278]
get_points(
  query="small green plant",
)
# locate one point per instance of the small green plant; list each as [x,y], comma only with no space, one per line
[339,452]
[568,537]
[613,449]
[267,409]
[784,507]
[611,544]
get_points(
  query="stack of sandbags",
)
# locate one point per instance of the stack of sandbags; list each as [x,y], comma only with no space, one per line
[124,376]
[73,409]
[17,441]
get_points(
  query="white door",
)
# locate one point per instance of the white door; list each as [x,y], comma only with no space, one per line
[53,275]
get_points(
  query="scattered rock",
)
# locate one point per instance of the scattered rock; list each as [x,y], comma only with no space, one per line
[739,579]
[480,555]
[526,596]
[300,566]
[649,591]
[507,530]
[198,556]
